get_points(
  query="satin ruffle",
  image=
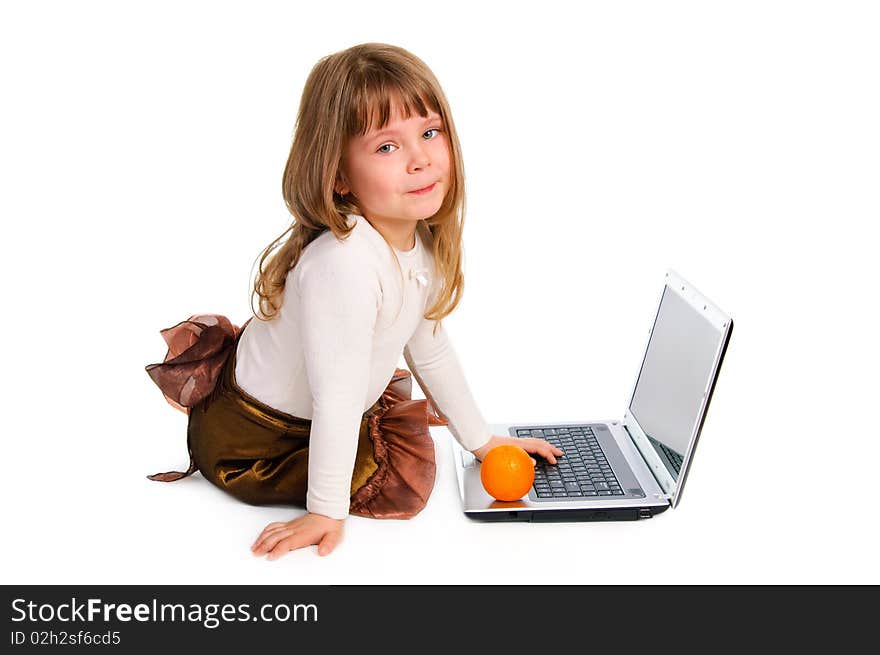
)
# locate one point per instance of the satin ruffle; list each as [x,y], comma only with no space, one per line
[403,449]
[197,350]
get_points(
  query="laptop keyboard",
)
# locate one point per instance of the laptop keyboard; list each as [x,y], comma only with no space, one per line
[581,472]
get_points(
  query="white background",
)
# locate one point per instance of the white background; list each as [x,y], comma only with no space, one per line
[736,143]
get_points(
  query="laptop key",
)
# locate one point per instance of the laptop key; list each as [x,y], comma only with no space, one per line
[572,486]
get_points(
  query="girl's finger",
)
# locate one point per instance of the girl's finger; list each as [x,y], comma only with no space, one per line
[545,443]
[541,446]
[272,540]
[265,533]
[289,543]
[271,528]
[328,543]
[545,452]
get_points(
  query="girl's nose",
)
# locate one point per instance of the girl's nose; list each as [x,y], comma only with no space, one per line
[419,160]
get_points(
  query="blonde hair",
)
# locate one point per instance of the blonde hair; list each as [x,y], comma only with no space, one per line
[345,94]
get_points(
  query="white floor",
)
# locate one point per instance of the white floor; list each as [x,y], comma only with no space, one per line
[107,523]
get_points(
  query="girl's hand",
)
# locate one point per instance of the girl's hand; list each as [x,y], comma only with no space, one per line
[530,445]
[278,538]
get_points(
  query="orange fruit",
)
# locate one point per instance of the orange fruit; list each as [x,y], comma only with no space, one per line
[507,472]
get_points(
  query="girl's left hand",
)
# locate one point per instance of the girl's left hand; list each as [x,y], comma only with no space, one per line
[529,444]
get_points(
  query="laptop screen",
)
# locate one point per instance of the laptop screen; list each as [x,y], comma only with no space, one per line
[675,374]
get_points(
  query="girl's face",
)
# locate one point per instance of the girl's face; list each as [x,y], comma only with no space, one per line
[384,168]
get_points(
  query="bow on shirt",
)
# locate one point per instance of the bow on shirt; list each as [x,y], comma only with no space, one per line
[420,275]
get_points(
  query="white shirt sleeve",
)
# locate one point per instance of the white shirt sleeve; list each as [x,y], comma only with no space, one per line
[339,305]
[434,363]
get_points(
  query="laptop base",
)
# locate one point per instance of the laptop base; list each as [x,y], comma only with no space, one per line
[571,515]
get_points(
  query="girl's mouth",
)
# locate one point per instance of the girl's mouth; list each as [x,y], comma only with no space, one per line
[427,189]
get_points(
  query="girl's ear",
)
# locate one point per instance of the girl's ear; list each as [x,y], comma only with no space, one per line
[341,185]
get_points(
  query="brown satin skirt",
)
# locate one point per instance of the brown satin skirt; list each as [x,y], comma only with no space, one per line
[260,455]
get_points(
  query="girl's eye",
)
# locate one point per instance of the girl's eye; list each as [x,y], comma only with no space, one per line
[386,145]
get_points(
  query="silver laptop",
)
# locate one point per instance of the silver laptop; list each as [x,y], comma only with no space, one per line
[631,468]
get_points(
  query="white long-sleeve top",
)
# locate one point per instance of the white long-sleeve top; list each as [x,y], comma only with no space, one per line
[333,347]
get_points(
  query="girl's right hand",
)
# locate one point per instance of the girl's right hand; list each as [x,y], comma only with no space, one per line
[278,538]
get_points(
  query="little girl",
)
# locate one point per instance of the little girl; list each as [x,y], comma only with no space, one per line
[306,405]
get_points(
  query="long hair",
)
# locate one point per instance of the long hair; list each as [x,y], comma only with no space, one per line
[345,94]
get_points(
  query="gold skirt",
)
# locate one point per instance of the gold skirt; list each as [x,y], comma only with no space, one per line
[259,454]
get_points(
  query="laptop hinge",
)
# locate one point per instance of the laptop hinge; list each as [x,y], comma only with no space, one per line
[649,455]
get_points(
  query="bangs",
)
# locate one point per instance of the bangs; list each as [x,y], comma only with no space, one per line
[379,93]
